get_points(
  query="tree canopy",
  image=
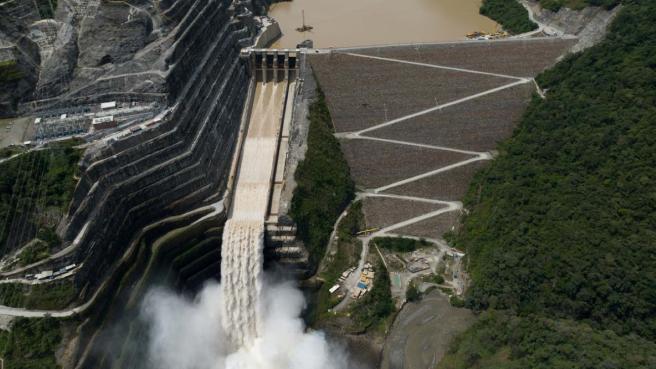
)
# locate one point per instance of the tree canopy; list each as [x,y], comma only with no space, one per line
[561,228]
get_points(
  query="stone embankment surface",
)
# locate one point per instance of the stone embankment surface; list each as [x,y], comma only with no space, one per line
[417,122]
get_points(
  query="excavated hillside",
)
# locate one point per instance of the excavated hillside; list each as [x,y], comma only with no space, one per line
[147,208]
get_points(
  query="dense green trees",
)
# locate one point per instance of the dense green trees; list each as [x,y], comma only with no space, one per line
[10,71]
[377,305]
[503,341]
[52,296]
[47,8]
[412,294]
[349,250]
[510,14]
[555,5]
[324,183]
[31,343]
[400,244]
[35,189]
[563,224]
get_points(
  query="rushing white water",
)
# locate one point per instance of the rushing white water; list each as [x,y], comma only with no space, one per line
[241,278]
[243,234]
[247,322]
[189,334]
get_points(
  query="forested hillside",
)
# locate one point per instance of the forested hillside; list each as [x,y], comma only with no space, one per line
[35,189]
[502,341]
[562,225]
[324,183]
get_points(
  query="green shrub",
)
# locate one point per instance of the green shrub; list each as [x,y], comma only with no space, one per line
[412,294]
[456,301]
[347,255]
[10,72]
[49,236]
[38,181]
[438,279]
[38,250]
[400,244]
[377,304]
[49,296]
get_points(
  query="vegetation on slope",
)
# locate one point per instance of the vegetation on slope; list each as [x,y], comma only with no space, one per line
[348,253]
[35,189]
[563,221]
[47,8]
[400,244]
[510,14]
[555,5]
[9,71]
[31,343]
[35,251]
[562,224]
[6,152]
[377,305]
[324,183]
[371,312]
[502,341]
[51,296]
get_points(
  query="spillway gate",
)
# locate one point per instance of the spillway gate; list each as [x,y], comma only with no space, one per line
[267,65]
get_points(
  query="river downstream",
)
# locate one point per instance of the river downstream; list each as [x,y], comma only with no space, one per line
[343,23]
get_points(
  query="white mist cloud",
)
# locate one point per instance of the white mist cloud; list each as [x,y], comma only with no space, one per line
[188,334]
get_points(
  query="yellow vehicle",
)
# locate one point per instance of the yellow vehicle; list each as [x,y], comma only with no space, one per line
[367,231]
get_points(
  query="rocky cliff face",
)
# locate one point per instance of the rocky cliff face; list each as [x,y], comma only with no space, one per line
[19,56]
[175,167]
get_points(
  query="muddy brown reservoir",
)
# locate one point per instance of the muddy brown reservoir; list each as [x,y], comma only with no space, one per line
[343,23]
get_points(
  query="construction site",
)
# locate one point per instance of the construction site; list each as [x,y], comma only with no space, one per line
[175,158]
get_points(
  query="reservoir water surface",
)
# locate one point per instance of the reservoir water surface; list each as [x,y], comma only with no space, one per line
[343,23]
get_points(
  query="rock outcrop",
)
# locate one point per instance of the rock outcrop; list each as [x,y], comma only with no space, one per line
[176,166]
[588,24]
